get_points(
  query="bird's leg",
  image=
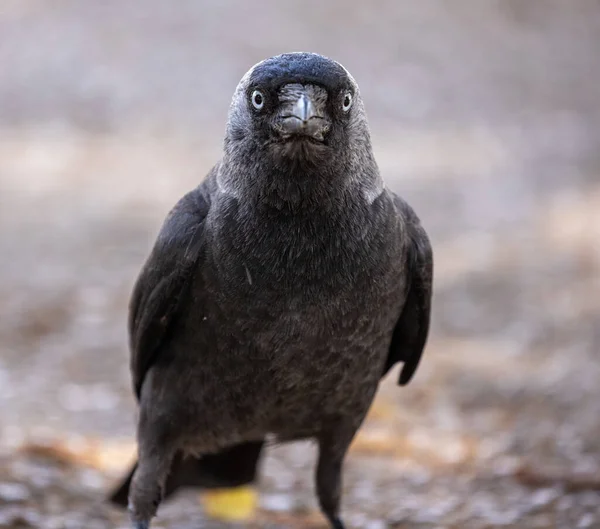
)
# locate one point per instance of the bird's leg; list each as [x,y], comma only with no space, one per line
[147,485]
[332,451]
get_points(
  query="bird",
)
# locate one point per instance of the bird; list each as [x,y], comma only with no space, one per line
[279,292]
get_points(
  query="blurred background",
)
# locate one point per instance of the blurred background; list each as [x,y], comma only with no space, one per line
[485,116]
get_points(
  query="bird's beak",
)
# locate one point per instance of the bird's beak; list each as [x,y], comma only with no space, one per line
[302,118]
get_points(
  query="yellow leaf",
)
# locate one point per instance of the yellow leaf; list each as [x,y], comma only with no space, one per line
[231,505]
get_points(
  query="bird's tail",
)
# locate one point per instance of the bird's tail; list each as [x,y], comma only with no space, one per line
[233,467]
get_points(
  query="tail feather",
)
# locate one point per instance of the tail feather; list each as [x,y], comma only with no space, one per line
[231,467]
[120,495]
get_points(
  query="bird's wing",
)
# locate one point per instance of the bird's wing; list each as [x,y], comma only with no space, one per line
[164,281]
[412,327]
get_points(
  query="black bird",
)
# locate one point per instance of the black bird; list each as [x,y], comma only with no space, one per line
[279,291]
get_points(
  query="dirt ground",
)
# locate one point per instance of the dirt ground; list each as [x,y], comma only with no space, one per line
[485,117]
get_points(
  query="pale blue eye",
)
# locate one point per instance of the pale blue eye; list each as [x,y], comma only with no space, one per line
[347,102]
[258,100]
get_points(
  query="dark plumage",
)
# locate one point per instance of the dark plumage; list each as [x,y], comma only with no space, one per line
[279,291]
[231,467]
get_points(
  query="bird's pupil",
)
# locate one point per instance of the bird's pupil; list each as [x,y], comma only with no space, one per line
[347,101]
[258,99]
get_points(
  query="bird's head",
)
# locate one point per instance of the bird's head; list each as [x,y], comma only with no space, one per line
[297,136]
[299,108]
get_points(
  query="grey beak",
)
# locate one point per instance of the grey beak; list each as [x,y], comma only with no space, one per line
[303,119]
[304,108]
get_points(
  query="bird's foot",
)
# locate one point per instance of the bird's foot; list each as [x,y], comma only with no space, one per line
[142,507]
[138,520]
[336,523]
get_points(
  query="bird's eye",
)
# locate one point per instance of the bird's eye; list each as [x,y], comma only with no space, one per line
[258,100]
[347,102]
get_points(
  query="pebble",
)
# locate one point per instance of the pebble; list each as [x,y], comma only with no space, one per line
[14,492]
[277,502]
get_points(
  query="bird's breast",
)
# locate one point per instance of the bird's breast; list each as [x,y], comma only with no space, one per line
[284,277]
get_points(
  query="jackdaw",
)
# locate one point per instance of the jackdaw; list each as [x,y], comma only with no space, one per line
[279,292]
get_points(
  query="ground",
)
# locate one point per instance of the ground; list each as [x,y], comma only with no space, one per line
[485,117]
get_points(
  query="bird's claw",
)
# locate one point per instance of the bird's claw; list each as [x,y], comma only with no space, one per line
[337,523]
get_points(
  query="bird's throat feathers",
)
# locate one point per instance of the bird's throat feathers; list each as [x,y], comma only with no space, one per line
[297,183]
